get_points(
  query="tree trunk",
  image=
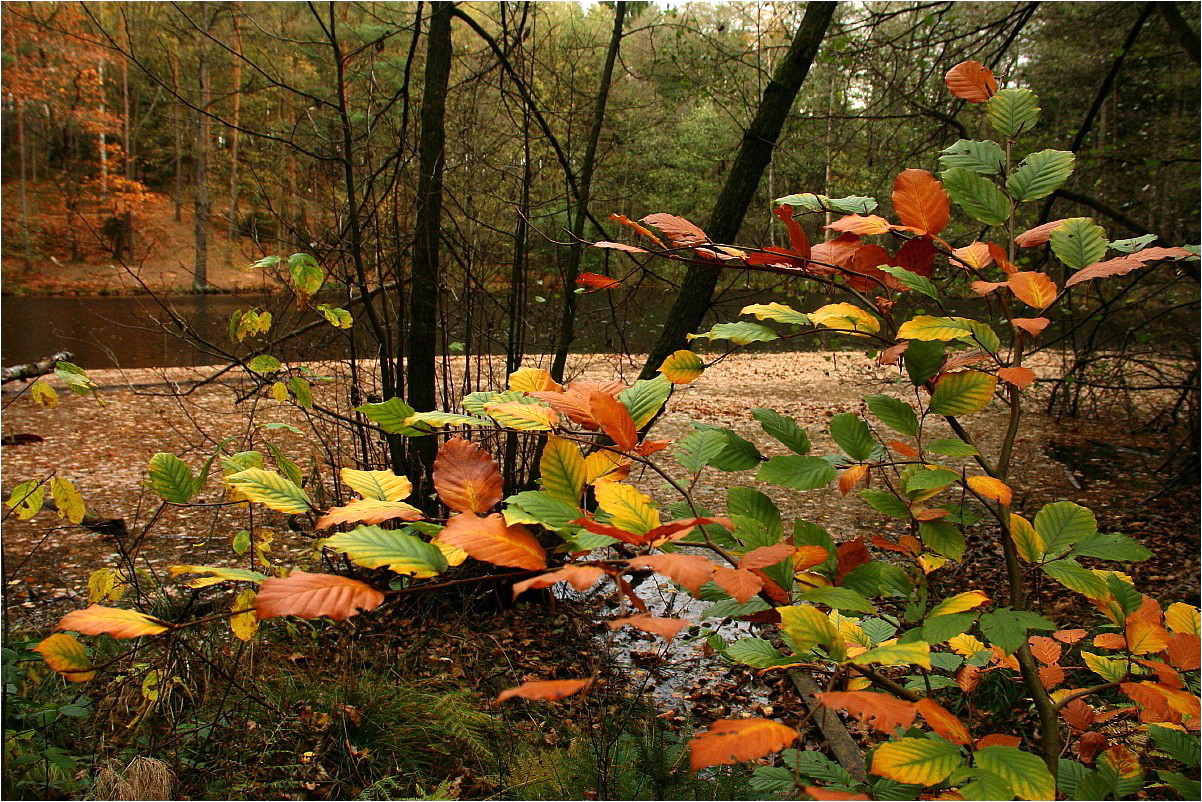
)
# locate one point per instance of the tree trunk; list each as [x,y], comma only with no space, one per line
[693,300]
[126,245]
[23,159]
[423,296]
[580,213]
[236,89]
[200,274]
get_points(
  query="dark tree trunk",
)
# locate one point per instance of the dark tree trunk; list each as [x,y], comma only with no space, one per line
[693,300]
[423,296]
[580,214]
[200,269]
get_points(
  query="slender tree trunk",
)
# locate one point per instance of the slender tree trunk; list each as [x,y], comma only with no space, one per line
[693,300]
[584,185]
[200,271]
[177,140]
[127,165]
[23,158]
[1186,35]
[423,296]
[104,145]
[236,88]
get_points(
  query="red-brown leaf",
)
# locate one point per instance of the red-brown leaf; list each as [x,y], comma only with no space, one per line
[838,252]
[681,232]
[997,739]
[1122,265]
[1038,235]
[544,690]
[666,628]
[1033,289]
[596,281]
[740,584]
[640,230]
[491,540]
[971,81]
[1069,635]
[860,225]
[466,477]
[799,243]
[1045,650]
[848,555]
[1019,377]
[1031,325]
[943,723]
[1078,715]
[734,740]
[616,246]
[880,711]
[614,420]
[765,556]
[690,571]
[581,577]
[917,255]
[307,595]
[1185,652]
[920,201]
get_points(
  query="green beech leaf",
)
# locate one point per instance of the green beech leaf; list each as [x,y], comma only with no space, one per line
[1074,577]
[886,503]
[271,490]
[913,281]
[1132,245]
[1118,548]
[984,157]
[373,547]
[922,360]
[740,333]
[977,196]
[784,429]
[390,416]
[851,434]
[1039,175]
[1007,629]
[1012,112]
[942,537]
[541,508]
[696,450]
[809,202]
[1062,524]
[963,393]
[758,653]
[644,399]
[796,472]
[264,363]
[951,447]
[171,478]
[1078,242]
[894,413]
[839,599]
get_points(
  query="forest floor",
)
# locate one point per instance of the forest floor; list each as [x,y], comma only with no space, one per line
[1096,462]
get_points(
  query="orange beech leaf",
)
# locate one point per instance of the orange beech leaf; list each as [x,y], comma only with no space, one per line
[640,230]
[307,595]
[976,255]
[580,577]
[614,419]
[733,740]
[1145,633]
[666,628]
[916,255]
[893,354]
[1122,761]
[1159,703]
[1020,377]
[997,739]
[986,287]
[902,448]
[826,793]
[1003,660]
[770,255]
[1110,640]
[849,478]
[466,477]
[1122,265]
[369,511]
[963,360]
[990,488]
[1089,745]
[968,677]
[1038,235]
[772,591]
[1184,652]
[1069,635]
[690,571]
[1051,676]
[544,690]
[1078,715]
[867,275]
[649,447]
[1165,674]
[765,556]
[681,232]
[838,251]
[919,200]
[489,539]
[609,284]
[971,81]
[880,711]
[66,656]
[860,225]
[799,243]
[740,584]
[1045,650]
[116,622]
[932,514]
[944,724]
[674,530]
[1031,325]
[807,557]
[1033,289]
[848,555]
[999,257]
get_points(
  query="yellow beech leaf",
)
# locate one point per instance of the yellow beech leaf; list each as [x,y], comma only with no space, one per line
[377,485]
[776,311]
[66,656]
[369,511]
[629,510]
[916,761]
[67,499]
[532,380]
[682,367]
[926,327]
[562,470]
[279,391]
[959,603]
[966,645]
[453,555]
[114,621]
[805,627]
[975,255]
[271,490]
[605,466]
[1026,540]
[45,395]
[523,417]
[845,317]
[962,393]
[244,624]
[931,562]
[990,488]
[106,584]
[1182,619]
[917,653]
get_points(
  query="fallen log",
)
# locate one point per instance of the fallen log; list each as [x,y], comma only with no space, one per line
[32,370]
